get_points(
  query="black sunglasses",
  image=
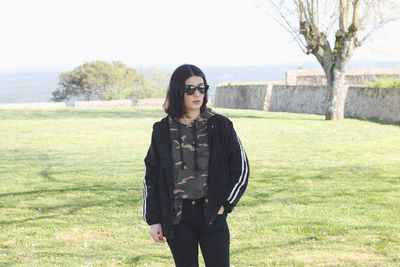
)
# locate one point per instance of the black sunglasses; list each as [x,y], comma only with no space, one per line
[190,89]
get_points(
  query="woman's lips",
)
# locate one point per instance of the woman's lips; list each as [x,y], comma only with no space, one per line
[197,102]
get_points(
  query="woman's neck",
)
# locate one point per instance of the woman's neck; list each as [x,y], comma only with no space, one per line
[191,115]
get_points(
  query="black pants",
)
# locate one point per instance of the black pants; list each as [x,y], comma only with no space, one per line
[193,231]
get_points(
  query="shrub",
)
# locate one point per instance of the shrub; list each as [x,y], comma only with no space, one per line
[385,82]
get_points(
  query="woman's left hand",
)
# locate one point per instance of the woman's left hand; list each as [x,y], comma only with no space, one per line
[221,210]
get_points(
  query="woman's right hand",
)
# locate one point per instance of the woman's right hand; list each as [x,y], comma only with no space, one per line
[156,233]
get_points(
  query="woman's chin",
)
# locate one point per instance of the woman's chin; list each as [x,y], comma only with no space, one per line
[195,106]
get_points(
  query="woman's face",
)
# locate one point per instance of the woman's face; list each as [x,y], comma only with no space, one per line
[193,102]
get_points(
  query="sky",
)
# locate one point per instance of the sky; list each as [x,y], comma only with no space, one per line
[67,33]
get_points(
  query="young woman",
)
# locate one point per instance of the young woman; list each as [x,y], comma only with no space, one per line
[196,172]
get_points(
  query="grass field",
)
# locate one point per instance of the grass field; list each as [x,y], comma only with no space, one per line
[320,193]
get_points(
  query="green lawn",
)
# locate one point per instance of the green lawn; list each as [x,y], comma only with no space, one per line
[320,193]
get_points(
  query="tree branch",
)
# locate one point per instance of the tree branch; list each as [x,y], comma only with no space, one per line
[289,27]
[354,27]
[347,14]
[374,29]
[342,11]
[314,13]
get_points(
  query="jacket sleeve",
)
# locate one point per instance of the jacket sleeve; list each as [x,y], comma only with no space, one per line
[151,209]
[239,171]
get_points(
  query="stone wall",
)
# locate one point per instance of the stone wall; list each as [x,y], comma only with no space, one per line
[252,96]
[354,76]
[366,103]
[298,99]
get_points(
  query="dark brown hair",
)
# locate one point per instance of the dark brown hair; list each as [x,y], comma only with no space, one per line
[174,102]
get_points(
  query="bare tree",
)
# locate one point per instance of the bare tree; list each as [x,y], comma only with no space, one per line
[311,23]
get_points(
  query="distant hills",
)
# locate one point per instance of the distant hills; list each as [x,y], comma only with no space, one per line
[37,85]
[31,86]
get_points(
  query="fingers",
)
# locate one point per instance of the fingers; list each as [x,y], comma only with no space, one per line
[157,234]
[161,236]
[154,236]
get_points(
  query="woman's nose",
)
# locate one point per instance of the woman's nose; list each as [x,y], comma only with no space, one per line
[197,93]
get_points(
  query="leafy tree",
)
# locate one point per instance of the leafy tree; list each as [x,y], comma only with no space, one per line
[100,80]
[155,82]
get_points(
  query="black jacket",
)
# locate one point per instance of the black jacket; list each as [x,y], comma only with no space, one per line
[228,173]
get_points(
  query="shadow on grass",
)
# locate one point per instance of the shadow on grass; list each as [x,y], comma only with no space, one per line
[60,190]
[120,197]
[135,260]
[298,116]
[281,118]
[248,249]
[158,113]
[270,115]
[358,185]
[5,222]
[8,263]
[73,208]
[134,112]
[376,121]
[47,174]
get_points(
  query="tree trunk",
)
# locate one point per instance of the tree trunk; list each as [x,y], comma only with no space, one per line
[337,88]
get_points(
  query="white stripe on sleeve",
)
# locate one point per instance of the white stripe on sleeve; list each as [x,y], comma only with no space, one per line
[243,176]
[144,194]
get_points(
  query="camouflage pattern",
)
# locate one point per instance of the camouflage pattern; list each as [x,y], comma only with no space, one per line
[188,182]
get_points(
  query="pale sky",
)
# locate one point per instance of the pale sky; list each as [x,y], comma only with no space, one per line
[65,33]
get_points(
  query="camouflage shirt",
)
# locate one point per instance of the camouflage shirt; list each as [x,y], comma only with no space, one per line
[190,155]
